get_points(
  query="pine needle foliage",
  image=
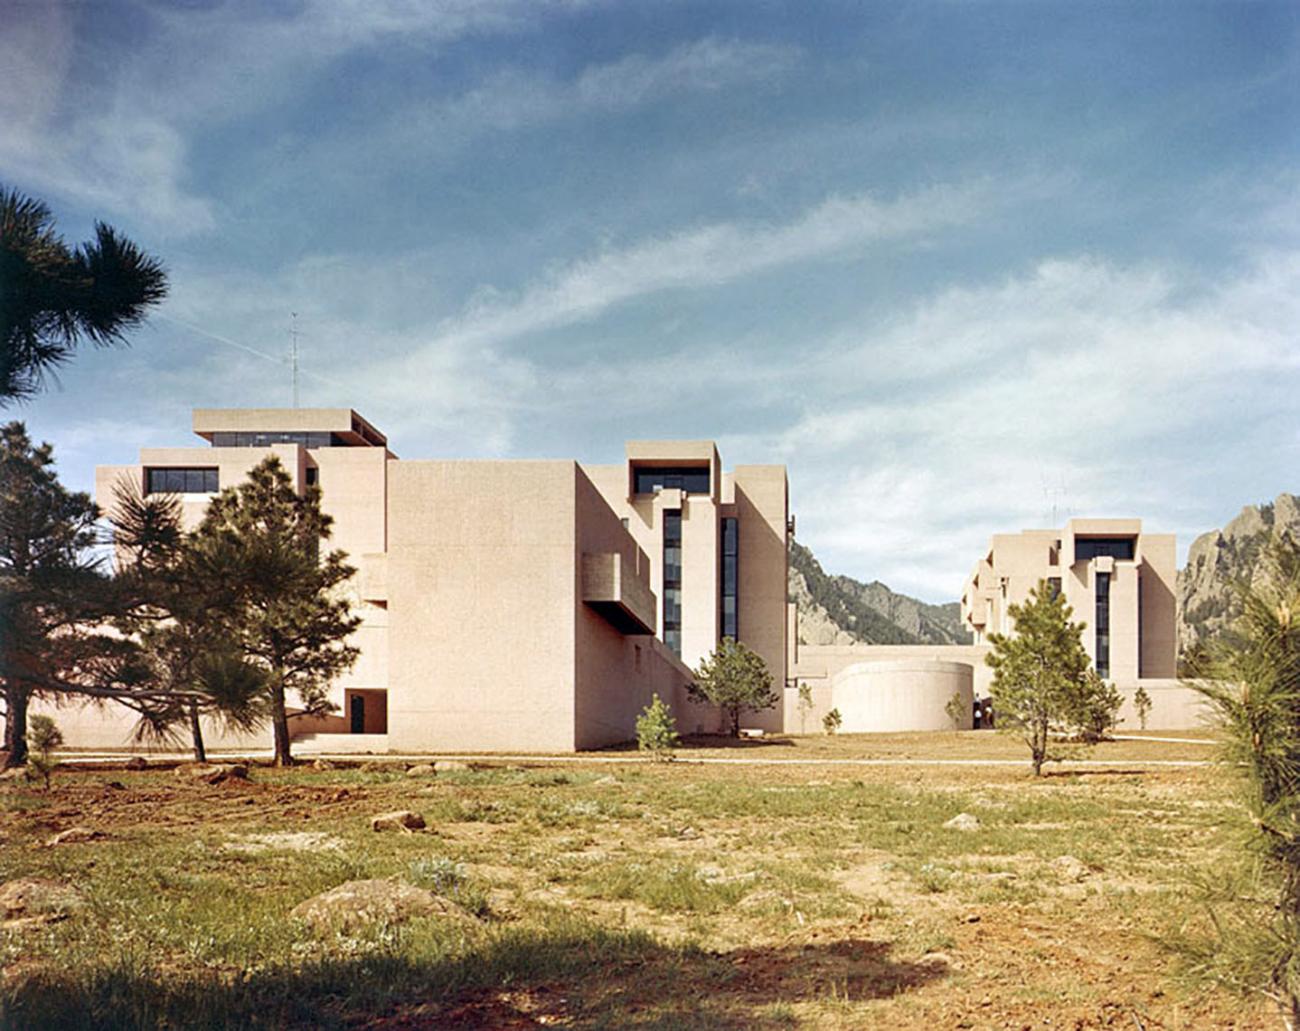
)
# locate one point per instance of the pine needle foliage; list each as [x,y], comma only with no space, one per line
[264,538]
[736,679]
[1253,687]
[53,297]
[1040,673]
[656,730]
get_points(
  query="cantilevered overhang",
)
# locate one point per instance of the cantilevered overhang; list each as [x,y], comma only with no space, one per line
[343,422]
[617,594]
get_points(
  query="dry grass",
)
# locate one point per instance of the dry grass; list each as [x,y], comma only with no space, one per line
[632,896]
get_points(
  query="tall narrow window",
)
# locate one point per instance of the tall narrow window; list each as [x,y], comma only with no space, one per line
[730,578]
[673,580]
[1054,585]
[1103,625]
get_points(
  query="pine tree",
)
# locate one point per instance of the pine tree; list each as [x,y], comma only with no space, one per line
[264,538]
[52,296]
[1040,672]
[51,587]
[735,679]
[181,612]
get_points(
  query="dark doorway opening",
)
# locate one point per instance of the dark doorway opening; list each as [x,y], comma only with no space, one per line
[358,714]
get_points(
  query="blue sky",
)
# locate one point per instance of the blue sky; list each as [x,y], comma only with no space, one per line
[954,264]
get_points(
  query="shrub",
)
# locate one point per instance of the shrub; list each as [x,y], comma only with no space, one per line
[959,712]
[1142,703]
[832,721]
[805,706]
[656,730]
[43,736]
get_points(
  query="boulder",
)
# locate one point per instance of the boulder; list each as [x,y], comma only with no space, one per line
[358,904]
[963,822]
[34,900]
[375,767]
[450,765]
[210,773]
[398,820]
[422,770]
[322,764]
[74,836]
[1070,869]
[137,762]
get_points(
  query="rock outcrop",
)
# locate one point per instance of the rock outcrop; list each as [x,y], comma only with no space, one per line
[1216,561]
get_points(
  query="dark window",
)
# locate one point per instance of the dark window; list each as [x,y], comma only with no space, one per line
[673,580]
[1102,626]
[313,476]
[180,481]
[1054,586]
[730,578]
[1086,548]
[311,439]
[691,480]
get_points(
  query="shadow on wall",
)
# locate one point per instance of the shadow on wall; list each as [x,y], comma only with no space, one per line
[580,976]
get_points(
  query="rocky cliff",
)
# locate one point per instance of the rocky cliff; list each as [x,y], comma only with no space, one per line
[841,610]
[1217,560]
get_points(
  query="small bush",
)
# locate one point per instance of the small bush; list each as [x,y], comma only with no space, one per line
[1142,703]
[656,730]
[832,721]
[958,711]
[43,737]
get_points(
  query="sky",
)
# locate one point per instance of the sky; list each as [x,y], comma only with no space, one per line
[964,268]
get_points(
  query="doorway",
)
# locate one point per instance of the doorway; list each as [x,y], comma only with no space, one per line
[357,712]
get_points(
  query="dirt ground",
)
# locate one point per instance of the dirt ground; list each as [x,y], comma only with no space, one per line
[768,896]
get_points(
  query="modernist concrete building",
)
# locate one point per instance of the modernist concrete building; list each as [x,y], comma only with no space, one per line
[1118,580]
[506,605]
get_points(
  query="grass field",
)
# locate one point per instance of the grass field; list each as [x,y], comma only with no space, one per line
[635,895]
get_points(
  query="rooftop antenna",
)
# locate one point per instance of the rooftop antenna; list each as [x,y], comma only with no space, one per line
[1054,495]
[293,353]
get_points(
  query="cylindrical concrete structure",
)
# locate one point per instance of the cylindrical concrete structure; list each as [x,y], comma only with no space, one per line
[903,694]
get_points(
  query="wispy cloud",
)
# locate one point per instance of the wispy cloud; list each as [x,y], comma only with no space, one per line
[712,255]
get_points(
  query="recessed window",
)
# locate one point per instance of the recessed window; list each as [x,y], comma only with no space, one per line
[311,439]
[1086,548]
[673,580]
[1102,625]
[313,476]
[181,481]
[730,578]
[692,480]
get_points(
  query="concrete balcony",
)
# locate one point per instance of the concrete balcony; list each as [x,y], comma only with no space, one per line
[614,591]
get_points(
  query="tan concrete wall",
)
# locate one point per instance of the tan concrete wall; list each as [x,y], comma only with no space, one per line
[1159,570]
[761,498]
[822,662]
[483,583]
[615,675]
[900,695]
[1174,706]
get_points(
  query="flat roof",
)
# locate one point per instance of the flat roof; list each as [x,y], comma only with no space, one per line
[343,421]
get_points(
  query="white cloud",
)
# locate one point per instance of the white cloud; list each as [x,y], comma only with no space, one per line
[712,255]
[970,414]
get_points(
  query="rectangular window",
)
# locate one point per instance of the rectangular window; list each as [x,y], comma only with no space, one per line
[690,480]
[673,580]
[1102,625]
[1054,585]
[730,578]
[313,476]
[309,439]
[1086,548]
[180,481]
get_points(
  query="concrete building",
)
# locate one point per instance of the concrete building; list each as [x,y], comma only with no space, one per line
[506,605]
[1118,580]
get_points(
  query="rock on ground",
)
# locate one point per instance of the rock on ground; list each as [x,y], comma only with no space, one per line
[74,836]
[963,822]
[322,764]
[36,900]
[398,820]
[357,904]
[1070,868]
[450,765]
[422,770]
[213,773]
[137,762]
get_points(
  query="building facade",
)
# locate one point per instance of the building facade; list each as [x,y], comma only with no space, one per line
[505,605]
[1118,580]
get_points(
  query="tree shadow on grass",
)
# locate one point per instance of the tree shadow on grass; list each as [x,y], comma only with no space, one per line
[580,977]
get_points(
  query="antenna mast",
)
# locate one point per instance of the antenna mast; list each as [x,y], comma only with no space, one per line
[293,353]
